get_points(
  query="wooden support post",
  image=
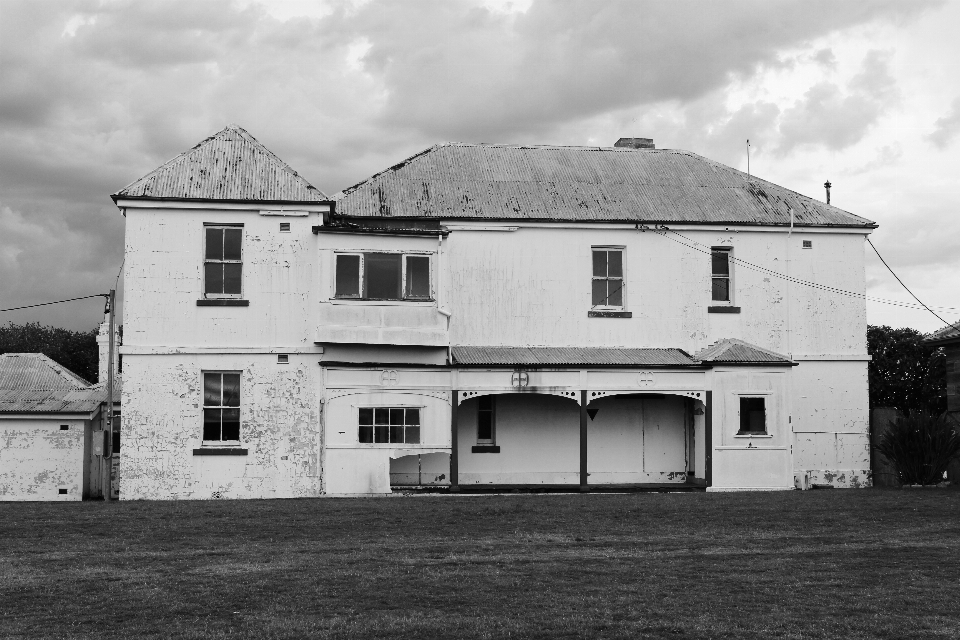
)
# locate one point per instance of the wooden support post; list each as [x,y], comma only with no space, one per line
[583,441]
[454,465]
[708,438]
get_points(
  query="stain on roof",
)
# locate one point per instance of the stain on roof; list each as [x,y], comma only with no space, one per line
[947,334]
[732,351]
[570,356]
[33,383]
[230,165]
[603,184]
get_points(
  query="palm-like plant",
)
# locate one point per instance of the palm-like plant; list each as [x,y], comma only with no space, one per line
[920,445]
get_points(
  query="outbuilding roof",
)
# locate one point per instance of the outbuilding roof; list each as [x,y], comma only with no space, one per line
[33,383]
[603,184]
[228,166]
[947,334]
[570,356]
[733,351]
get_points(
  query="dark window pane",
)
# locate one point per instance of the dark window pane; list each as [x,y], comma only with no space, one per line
[231,389]
[485,425]
[615,293]
[381,416]
[214,244]
[213,277]
[396,433]
[413,435]
[116,442]
[599,293]
[211,390]
[231,277]
[348,277]
[231,424]
[366,434]
[381,275]
[418,277]
[600,264]
[211,424]
[752,415]
[231,243]
[615,264]
[721,263]
[381,434]
[485,403]
[366,416]
[396,416]
[413,416]
[721,289]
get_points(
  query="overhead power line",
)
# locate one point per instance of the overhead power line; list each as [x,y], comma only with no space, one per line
[43,304]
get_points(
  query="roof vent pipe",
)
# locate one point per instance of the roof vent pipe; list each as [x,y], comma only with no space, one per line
[635,143]
[827,185]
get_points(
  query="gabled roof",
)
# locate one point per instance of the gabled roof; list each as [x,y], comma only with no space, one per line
[33,383]
[733,351]
[609,184]
[36,371]
[947,334]
[571,356]
[228,166]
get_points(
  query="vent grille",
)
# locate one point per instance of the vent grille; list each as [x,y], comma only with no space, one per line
[284,226]
[808,244]
[283,359]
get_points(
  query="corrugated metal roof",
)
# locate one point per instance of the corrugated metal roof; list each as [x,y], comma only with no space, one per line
[489,181]
[51,401]
[36,371]
[573,356]
[731,351]
[949,333]
[229,165]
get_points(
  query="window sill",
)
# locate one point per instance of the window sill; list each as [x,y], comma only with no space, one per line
[220,451]
[425,302]
[609,314]
[752,435]
[485,448]
[222,302]
[723,309]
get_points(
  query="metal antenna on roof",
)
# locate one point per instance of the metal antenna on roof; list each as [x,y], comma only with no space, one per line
[748,158]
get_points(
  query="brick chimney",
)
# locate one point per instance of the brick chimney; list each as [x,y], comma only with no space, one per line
[635,143]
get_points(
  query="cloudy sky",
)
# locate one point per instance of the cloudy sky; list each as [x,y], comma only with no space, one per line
[96,93]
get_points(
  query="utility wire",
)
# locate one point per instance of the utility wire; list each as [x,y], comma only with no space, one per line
[43,304]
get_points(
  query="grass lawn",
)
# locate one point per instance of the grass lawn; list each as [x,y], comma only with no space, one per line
[815,564]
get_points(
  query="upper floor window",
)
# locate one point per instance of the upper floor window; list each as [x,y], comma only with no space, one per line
[382,276]
[721,274]
[222,261]
[607,278]
[221,406]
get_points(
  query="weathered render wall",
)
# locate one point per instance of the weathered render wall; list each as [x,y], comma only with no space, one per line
[531,286]
[163,424]
[38,458]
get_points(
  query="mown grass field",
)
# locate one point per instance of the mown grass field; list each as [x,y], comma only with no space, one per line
[816,564]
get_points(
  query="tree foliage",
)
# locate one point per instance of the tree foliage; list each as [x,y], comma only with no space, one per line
[920,446]
[905,372]
[75,350]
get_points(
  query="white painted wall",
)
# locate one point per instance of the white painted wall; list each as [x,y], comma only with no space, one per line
[38,458]
[163,424]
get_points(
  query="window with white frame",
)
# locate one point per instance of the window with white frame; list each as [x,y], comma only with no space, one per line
[753,416]
[221,406]
[721,274]
[608,282]
[223,261]
[389,425]
[382,276]
[486,420]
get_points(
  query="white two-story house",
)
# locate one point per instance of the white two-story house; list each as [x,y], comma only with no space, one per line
[487,316]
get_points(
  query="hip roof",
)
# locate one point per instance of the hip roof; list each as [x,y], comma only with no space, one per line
[603,184]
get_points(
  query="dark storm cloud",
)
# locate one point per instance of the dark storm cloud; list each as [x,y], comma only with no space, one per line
[94,95]
[947,127]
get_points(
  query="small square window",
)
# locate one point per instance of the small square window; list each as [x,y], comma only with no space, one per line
[753,417]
